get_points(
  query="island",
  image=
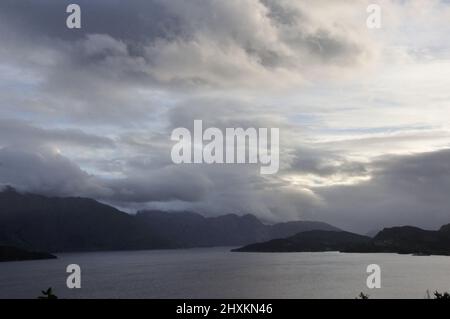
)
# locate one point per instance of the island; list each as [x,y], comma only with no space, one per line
[401,240]
[8,253]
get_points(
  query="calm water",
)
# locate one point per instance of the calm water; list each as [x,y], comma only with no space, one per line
[218,273]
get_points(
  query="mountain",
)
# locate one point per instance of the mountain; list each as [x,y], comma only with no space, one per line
[402,240]
[41,223]
[187,229]
[406,239]
[291,228]
[309,241]
[16,254]
[409,240]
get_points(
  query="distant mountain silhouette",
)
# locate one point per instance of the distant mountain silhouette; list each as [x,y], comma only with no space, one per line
[41,223]
[402,240]
[310,241]
[187,229]
[409,240]
[16,254]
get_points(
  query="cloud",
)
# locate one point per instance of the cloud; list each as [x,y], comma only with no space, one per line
[14,132]
[89,112]
[403,190]
[44,171]
[163,185]
[406,189]
[205,44]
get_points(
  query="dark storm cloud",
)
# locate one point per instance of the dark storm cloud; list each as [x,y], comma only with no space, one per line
[41,170]
[170,183]
[131,21]
[44,171]
[403,190]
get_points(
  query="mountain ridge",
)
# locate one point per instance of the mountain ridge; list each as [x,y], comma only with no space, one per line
[399,239]
[56,224]
[309,241]
[224,230]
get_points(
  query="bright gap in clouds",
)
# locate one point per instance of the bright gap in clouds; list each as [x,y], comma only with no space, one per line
[313,181]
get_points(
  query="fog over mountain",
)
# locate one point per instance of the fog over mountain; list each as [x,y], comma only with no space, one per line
[363,113]
[40,223]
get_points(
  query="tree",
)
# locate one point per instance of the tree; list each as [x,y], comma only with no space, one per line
[48,294]
[438,295]
[362,296]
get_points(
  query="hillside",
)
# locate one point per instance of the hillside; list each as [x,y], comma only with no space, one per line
[310,241]
[40,223]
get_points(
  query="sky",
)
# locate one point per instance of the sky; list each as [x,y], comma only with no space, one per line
[363,113]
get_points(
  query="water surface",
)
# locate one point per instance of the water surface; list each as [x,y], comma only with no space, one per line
[218,273]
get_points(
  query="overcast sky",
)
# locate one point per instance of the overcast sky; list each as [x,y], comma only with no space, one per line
[363,113]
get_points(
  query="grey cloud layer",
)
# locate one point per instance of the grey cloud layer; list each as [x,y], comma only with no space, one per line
[195,43]
[403,190]
[14,133]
